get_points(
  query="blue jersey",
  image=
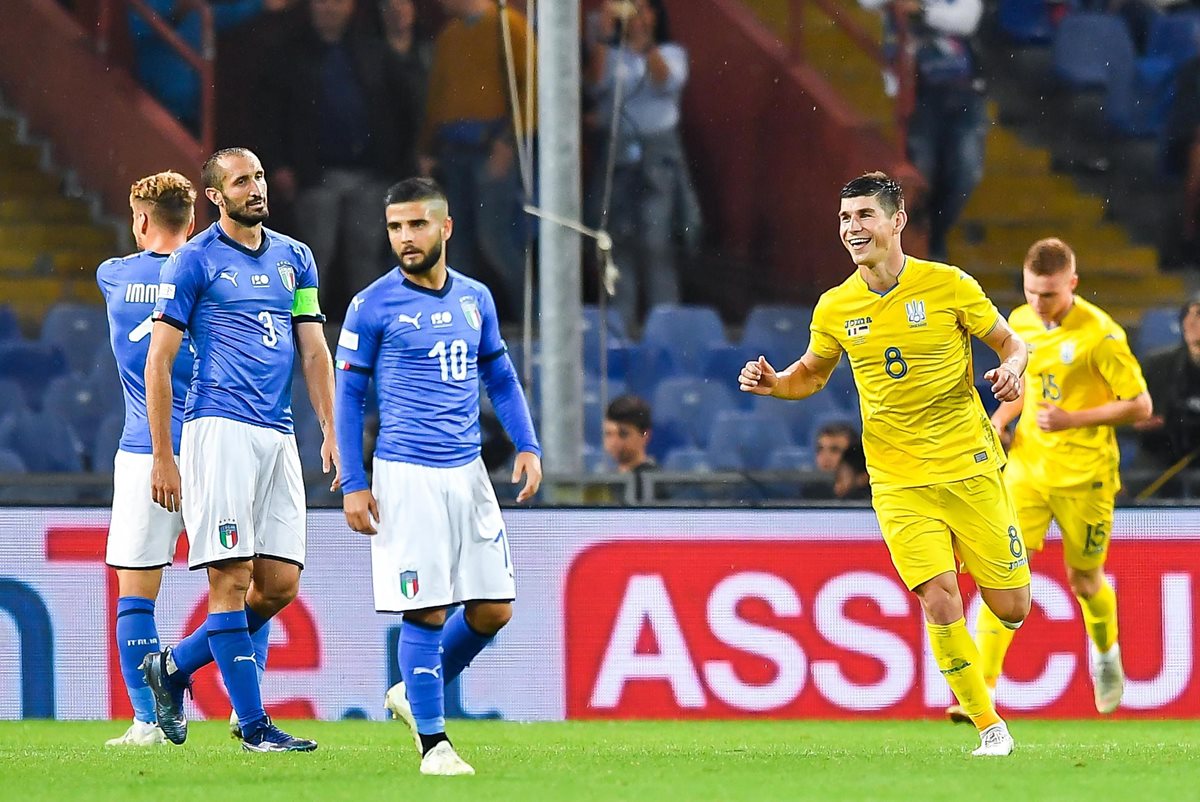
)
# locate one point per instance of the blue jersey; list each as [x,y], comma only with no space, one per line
[239,305]
[425,349]
[130,287]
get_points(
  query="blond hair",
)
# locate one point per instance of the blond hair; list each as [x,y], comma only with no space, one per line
[1049,257]
[168,197]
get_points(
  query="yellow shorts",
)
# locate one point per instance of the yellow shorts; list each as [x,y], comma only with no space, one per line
[1086,521]
[926,527]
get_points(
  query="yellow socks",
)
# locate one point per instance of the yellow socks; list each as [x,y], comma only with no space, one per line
[994,637]
[1100,616]
[959,662]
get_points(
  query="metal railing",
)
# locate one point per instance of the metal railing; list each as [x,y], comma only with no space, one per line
[201,61]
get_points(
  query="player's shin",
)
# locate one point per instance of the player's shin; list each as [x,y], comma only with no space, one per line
[229,639]
[421,665]
[958,659]
[993,638]
[194,653]
[460,644]
[1100,615]
[137,636]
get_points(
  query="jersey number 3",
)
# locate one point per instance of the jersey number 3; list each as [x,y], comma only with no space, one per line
[453,360]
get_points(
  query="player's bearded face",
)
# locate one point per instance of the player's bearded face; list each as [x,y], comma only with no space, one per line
[250,207]
[413,260]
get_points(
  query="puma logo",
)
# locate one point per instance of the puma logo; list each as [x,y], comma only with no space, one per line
[433,672]
[415,320]
[230,276]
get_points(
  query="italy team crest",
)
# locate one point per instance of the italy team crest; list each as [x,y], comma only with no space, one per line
[227,532]
[287,274]
[471,310]
[408,584]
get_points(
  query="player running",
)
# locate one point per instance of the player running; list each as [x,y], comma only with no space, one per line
[142,535]
[427,334]
[1063,463]
[932,454]
[243,292]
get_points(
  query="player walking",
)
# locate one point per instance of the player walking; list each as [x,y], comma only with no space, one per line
[142,535]
[932,454]
[427,334]
[243,292]
[1063,463]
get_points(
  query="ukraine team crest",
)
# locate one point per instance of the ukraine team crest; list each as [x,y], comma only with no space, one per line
[227,532]
[287,274]
[471,310]
[408,584]
[916,313]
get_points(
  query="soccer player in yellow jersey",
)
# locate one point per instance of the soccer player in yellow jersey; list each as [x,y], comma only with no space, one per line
[932,454]
[1063,460]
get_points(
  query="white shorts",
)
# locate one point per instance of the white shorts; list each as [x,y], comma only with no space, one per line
[441,538]
[243,492]
[141,534]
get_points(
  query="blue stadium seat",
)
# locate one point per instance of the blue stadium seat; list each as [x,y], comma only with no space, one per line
[647,366]
[798,416]
[690,404]
[72,399]
[778,332]
[1174,37]
[32,365]
[12,398]
[1159,329]
[1084,45]
[684,332]
[1026,21]
[11,462]
[1129,452]
[745,441]
[1136,102]
[108,438]
[591,324]
[841,388]
[790,458]
[723,363]
[596,461]
[990,404]
[77,329]
[687,459]
[10,327]
[44,442]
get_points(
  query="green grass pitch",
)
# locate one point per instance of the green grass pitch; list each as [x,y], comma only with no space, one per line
[1096,761]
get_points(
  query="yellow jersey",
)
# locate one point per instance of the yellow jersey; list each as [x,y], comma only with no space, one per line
[1082,363]
[909,348]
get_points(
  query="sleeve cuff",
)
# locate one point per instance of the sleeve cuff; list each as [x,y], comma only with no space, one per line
[165,318]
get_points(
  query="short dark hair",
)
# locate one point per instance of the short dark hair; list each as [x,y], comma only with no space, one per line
[211,173]
[629,409]
[876,185]
[414,189]
[837,428]
[1049,257]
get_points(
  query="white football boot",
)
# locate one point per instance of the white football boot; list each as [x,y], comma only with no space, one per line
[1108,678]
[443,761]
[995,742]
[395,701]
[139,733]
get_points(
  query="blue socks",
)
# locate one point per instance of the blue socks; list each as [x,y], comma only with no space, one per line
[421,666]
[229,640]
[193,652]
[460,644]
[137,636]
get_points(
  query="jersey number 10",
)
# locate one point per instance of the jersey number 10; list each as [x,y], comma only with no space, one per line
[453,359]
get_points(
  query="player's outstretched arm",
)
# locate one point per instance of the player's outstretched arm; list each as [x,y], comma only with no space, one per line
[1053,418]
[1014,356]
[165,340]
[318,375]
[804,377]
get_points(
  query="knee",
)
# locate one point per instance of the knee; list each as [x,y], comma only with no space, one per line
[942,604]
[489,619]
[1012,608]
[270,600]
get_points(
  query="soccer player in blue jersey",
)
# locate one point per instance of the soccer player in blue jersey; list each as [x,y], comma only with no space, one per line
[142,535]
[428,334]
[248,298]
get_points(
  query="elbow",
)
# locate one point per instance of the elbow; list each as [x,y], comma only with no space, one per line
[1143,408]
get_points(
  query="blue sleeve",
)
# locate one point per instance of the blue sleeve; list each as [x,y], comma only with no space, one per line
[503,387]
[308,268]
[180,283]
[358,344]
[348,406]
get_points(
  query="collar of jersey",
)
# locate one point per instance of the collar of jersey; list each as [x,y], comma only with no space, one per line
[442,293]
[156,254]
[876,293]
[232,243]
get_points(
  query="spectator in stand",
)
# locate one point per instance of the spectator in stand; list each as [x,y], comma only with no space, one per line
[832,442]
[411,48]
[627,429]
[1173,377]
[1183,153]
[853,483]
[949,122]
[467,140]
[653,203]
[338,129]
[161,69]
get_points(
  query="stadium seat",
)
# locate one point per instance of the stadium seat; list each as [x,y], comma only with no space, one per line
[790,458]
[32,365]
[1136,102]
[691,404]
[1174,37]
[684,332]
[744,441]
[591,325]
[1026,21]
[108,438]
[1158,329]
[647,366]
[694,460]
[12,398]
[77,329]
[841,388]
[990,403]
[72,399]
[44,442]
[778,332]
[723,363]
[11,462]
[10,327]
[596,461]
[798,416]
[1083,47]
